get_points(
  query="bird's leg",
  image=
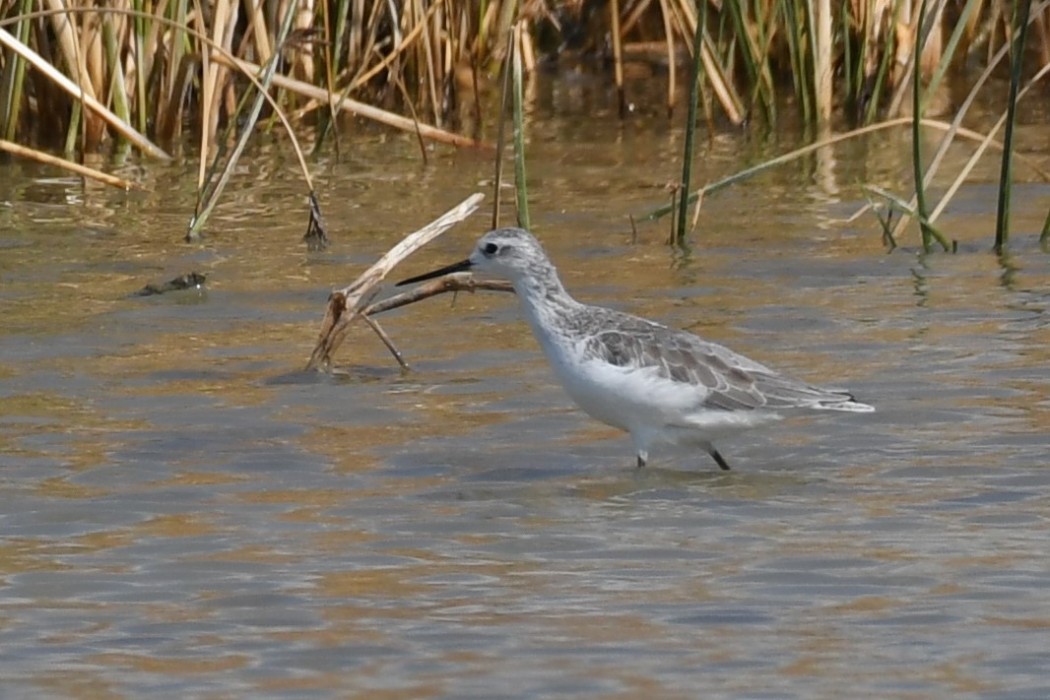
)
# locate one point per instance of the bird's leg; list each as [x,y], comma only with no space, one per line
[719,458]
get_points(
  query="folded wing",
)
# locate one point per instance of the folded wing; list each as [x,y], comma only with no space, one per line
[723,379]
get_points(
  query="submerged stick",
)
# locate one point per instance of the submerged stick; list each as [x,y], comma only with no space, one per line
[345,304]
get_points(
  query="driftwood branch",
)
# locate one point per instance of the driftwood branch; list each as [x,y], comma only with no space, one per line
[374,325]
[456,282]
[346,304]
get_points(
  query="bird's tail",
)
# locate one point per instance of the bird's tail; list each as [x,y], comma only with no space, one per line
[840,400]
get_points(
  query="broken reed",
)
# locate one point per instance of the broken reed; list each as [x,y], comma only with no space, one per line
[159,66]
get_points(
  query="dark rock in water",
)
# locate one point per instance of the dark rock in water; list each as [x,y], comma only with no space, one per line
[191,280]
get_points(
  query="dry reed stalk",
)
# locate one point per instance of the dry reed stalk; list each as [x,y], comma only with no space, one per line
[93,105]
[407,42]
[872,17]
[169,91]
[822,50]
[504,23]
[305,66]
[77,168]
[528,53]
[454,283]
[65,28]
[212,85]
[145,60]
[665,15]
[614,21]
[208,192]
[329,76]
[501,130]
[344,305]
[984,141]
[716,75]
[634,14]
[91,46]
[989,140]
[262,48]
[929,56]
[433,66]
[354,107]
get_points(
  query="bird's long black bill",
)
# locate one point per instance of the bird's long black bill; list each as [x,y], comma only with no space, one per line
[447,270]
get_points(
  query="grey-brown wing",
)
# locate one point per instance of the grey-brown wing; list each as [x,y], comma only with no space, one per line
[724,379]
[721,382]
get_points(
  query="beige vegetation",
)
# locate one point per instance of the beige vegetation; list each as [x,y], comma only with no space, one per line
[82,75]
[153,75]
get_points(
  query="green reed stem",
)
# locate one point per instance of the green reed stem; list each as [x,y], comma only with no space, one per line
[916,134]
[73,129]
[690,124]
[143,63]
[117,88]
[12,81]
[760,50]
[903,206]
[796,39]
[850,71]
[960,113]
[748,52]
[884,221]
[178,53]
[326,117]
[1002,217]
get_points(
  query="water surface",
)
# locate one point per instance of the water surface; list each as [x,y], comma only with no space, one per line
[185,513]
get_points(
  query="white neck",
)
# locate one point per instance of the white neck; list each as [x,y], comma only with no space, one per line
[545,302]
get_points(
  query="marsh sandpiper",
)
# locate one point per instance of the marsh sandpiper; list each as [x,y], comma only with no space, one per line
[659,384]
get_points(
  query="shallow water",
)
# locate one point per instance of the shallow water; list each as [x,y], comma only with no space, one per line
[186,513]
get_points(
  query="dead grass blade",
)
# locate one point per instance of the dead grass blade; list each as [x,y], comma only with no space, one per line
[47,159]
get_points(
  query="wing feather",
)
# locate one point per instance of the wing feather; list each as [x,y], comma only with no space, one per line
[723,379]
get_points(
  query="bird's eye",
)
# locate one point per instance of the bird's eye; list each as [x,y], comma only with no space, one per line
[490,249]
